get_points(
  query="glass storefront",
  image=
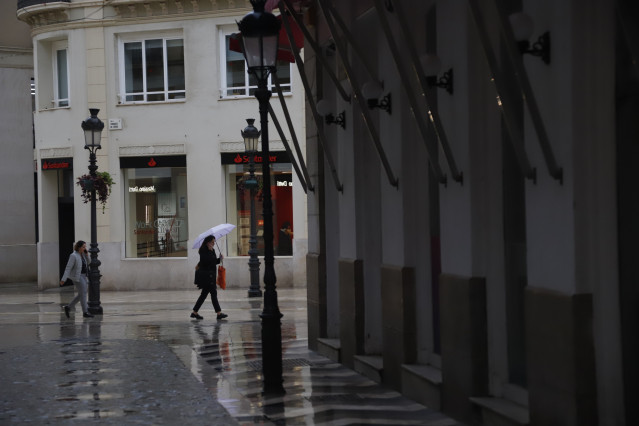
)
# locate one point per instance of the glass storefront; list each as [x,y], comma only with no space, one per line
[239,203]
[156,206]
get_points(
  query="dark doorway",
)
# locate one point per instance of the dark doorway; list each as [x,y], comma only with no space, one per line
[627,108]
[66,230]
[514,213]
[66,220]
[433,197]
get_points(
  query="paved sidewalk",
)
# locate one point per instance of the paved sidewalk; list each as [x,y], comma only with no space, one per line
[145,362]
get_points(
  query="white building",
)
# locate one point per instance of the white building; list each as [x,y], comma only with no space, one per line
[17,196]
[174,99]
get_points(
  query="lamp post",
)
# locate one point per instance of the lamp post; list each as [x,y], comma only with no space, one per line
[260,32]
[92,127]
[251,136]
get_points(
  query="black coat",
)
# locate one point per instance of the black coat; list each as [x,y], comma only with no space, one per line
[206,275]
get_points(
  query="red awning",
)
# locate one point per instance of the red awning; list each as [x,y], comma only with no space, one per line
[284,52]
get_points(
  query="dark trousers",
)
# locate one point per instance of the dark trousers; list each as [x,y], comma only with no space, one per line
[205,291]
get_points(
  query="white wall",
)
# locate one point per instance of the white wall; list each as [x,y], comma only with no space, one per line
[18,255]
[195,128]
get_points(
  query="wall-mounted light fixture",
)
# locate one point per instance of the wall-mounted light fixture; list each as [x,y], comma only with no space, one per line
[372,91]
[432,64]
[324,109]
[523,26]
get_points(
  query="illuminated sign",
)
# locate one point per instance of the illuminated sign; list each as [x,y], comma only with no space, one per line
[57,164]
[153,162]
[242,158]
[142,188]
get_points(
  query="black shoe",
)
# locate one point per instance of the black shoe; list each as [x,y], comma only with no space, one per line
[87,315]
[196,316]
[222,316]
[66,311]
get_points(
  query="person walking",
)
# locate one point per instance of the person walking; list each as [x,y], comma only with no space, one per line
[77,270]
[205,277]
[284,243]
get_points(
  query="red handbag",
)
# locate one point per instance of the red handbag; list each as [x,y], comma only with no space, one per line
[221,277]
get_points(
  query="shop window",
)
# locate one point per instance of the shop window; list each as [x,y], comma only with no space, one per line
[238,204]
[152,70]
[156,212]
[237,82]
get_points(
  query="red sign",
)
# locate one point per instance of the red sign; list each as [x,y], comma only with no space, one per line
[256,158]
[244,158]
[57,164]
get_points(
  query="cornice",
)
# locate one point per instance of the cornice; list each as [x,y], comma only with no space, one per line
[239,146]
[141,150]
[56,152]
[54,16]
[16,57]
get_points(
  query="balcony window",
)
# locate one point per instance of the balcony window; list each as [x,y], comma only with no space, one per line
[61,78]
[152,70]
[237,82]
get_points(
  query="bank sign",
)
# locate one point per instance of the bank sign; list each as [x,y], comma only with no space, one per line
[244,158]
[56,164]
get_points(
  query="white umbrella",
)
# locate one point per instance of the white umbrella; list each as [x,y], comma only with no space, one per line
[217,231]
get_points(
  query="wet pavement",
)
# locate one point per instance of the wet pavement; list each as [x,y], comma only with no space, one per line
[146,362]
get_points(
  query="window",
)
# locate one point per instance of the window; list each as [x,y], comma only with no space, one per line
[60,75]
[238,202]
[152,70]
[156,208]
[236,81]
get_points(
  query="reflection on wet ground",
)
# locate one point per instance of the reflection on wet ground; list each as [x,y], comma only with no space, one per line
[145,361]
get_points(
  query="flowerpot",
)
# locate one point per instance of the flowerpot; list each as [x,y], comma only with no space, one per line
[87,184]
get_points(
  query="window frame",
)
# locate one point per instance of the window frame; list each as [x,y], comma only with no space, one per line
[56,47]
[122,93]
[248,88]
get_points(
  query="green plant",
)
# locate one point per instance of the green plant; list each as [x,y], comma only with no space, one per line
[102,183]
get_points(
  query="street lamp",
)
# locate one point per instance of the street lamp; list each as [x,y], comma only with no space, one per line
[260,33]
[251,136]
[92,127]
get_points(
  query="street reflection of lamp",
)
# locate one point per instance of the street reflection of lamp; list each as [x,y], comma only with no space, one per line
[251,137]
[260,33]
[92,127]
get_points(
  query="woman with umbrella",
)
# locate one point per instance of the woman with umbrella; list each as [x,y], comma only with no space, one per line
[205,276]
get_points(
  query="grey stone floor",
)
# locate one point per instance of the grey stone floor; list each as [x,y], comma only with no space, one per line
[146,362]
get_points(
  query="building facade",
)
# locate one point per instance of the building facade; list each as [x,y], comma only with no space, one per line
[173,97]
[472,246]
[17,232]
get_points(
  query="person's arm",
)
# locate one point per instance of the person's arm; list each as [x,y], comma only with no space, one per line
[67,270]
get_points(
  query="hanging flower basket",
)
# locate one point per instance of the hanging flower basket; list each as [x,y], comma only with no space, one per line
[242,186]
[102,183]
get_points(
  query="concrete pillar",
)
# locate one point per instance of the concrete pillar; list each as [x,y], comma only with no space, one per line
[562,384]
[399,326]
[463,344]
[351,306]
